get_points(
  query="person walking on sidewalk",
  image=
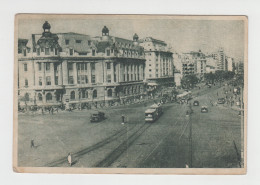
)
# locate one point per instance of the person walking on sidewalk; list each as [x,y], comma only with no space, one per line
[70,159]
[32,143]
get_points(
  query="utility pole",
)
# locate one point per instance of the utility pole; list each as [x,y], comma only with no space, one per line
[190,138]
[242,128]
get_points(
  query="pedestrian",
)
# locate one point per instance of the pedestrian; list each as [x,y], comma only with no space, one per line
[32,143]
[51,110]
[123,119]
[70,159]
[42,111]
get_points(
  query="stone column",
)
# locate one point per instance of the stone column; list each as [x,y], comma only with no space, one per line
[89,72]
[105,72]
[75,73]
[65,72]
[112,72]
[60,74]
[52,74]
[44,74]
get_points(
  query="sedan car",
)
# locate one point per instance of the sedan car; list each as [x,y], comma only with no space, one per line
[204,109]
[96,117]
[221,100]
[196,103]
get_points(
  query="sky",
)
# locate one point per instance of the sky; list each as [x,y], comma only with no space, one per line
[183,35]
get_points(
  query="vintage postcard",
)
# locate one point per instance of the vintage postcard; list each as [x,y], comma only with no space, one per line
[131,94]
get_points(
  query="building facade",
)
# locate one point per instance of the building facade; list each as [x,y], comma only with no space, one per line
[159,70]
[76,69]
[194,63]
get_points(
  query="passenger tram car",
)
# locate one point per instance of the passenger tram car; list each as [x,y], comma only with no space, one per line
[153,113]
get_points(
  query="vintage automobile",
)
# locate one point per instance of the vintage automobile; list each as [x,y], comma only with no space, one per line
[98,116]
[196,103]
[221,101]
[204,109]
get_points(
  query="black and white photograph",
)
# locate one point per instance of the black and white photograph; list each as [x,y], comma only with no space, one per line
[157,94]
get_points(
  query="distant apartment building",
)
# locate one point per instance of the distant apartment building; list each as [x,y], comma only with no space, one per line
[54,69]
[159,70]
[194,63]
[230,64]
[220,58]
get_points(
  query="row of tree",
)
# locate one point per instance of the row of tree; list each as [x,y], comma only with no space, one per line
[219,76]
[190,81]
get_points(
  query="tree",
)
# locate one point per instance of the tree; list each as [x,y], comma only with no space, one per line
[210,77]
[189,81]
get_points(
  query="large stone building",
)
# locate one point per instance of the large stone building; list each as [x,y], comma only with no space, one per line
[159,69]
[76,69]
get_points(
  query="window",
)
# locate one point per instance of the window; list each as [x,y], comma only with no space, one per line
[56,80]
[42,50]
[67,42]
[71,52]
[127,77]
[115,77]
[86,94]
[109,93]
[71,80]
[40,97]
[93,79]
[150,70]
[55,67]
[40,81]
[70,66]
[48,66]
[83,94]
[51,49]
[38,51]
[86,66]
[39,66]
[72,95]
[86,79]
[27,97]
[150,75]
[78,41]
[93,52]
[108,52]
[26,82]
[48,97]
[48,80]
[24,52]
[150,64]
[108,65]
[95,94]
[25,67]
[47,51]
[89,42]
[92,66]
[56,51]
[109,78]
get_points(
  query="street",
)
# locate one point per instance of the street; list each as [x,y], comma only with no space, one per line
[165,143]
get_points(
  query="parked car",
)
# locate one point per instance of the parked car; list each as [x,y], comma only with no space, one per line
[96,117]
[196,103]
[204,109]
[221,101]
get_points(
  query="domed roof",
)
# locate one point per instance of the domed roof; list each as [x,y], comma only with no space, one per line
[105,30]
[46,25]
[135,37]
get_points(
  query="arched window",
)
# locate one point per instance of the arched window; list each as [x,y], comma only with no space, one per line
[95,94]
[86,94]
[27,97]
[40,97]
[48,97]
[72,95]
[109,93]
